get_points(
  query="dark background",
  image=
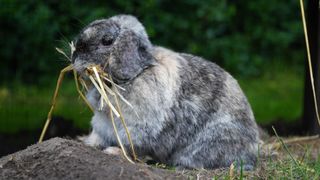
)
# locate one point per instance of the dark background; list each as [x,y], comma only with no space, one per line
[259,42]
[243,36]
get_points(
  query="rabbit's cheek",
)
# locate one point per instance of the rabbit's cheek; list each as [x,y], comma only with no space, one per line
[124,72]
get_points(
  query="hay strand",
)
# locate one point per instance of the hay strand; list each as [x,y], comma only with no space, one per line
[277,145]
[309,61]
[114,84]
[118,138]
[49,117]
[284,146]
[125,125]
[63,53]
[83,83]
[80,92]
[104,95]
[102,86]
[72,48]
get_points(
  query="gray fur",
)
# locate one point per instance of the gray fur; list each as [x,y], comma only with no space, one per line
[186,111]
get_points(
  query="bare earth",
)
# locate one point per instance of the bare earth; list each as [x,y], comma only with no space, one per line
[60,158]
[67,159]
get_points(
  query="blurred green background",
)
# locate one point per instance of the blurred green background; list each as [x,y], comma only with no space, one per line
[259,42]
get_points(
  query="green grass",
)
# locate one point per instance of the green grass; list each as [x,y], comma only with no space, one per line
[272,168]
[26,107]
[277,94]
[297,161]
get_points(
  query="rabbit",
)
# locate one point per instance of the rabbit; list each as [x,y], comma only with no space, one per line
[186,111]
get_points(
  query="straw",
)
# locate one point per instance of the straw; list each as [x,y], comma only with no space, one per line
[49,117]
[103,94]
[80,92]
[124,124]
[118,138]
[95,75]
[309,62]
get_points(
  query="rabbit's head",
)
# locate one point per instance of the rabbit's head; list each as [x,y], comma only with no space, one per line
[119,45]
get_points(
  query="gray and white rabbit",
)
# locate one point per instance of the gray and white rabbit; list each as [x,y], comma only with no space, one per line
[186,111]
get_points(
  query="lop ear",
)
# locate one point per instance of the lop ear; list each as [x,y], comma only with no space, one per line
[131,55]
[144,50]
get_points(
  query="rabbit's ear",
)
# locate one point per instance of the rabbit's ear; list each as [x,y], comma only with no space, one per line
[131,55]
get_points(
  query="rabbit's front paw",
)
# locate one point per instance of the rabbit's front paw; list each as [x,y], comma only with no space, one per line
[93,139]
[112,150]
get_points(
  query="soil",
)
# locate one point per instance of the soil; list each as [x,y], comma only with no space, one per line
[60,158]
[59,127]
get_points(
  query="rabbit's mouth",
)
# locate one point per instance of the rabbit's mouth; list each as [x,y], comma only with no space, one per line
[121,81]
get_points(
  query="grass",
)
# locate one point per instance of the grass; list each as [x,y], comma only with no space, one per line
[276,95]
[26,107]
[298,161]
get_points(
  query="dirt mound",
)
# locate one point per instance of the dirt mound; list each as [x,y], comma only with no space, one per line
[60,158]
[67,159]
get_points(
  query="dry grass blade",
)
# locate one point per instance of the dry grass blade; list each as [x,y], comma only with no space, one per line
[80,92]
[116,93]
[231,171]
[101,104]
[277,145]
[103,88]
[104,95]
[63,71]
[72,48]
[309,61]
[83,83]
[104,92]
[118,138]
[125,126]
[61,75]
[123,99]
[114,84]
[63,53]
[285,146]
[108,89]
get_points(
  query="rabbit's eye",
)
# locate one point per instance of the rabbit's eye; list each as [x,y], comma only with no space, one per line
[107,41]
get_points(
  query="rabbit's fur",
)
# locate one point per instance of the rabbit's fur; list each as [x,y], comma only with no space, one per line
[187,111]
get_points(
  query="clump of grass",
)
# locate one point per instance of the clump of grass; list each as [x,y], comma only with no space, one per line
[290,158]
